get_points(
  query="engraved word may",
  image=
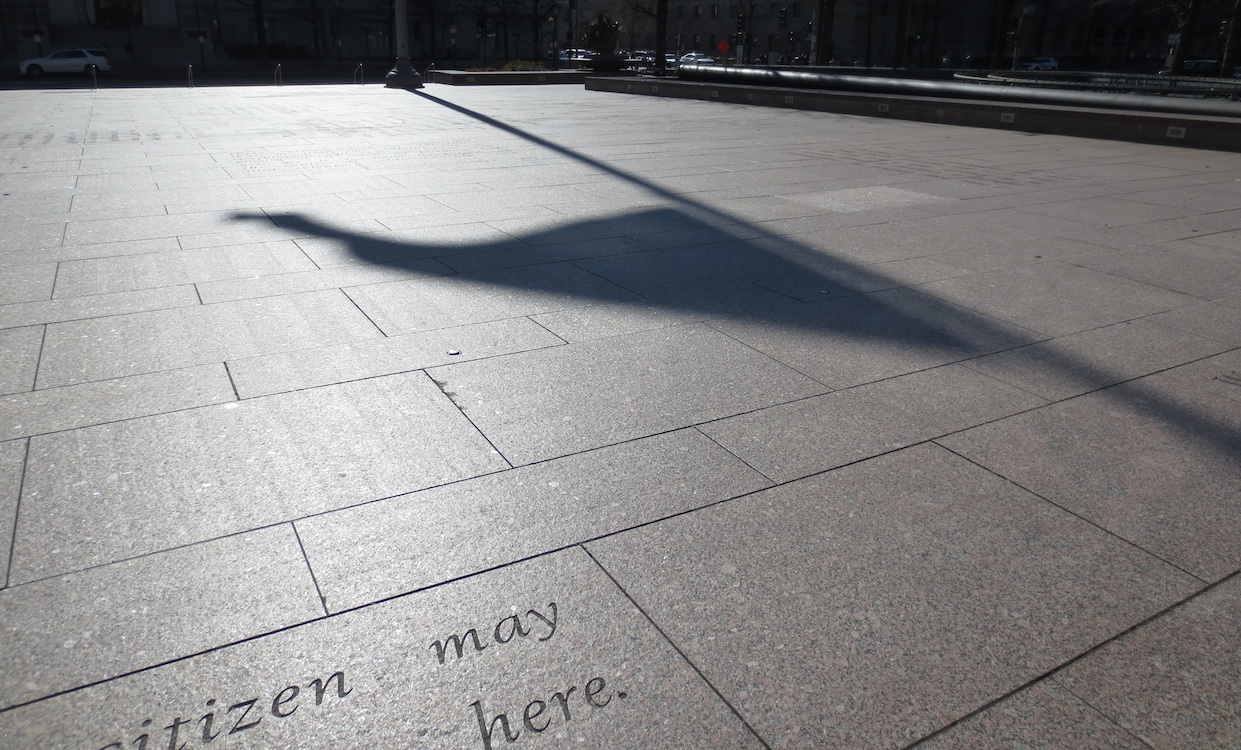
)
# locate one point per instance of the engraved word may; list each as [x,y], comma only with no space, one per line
[505,631]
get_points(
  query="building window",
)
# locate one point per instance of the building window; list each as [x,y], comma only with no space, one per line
[118,14]
[680,11]
[796,10]
[697,11]
[715,11]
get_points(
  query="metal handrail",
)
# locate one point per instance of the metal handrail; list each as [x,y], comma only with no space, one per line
[357,74]
[278,77]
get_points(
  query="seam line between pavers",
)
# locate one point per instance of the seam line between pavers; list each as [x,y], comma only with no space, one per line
[677,649]
[289,274]
[310,568]
[545,328]
[65,300]
[1199,299]
[710,324]
[353,302]
[305,254]
[1095,389]
[55,280]
[34,384]
[575,264]
[231,381]
[17,509]
[384,374]
[127,419]
[760,472]
[1076,515]
[440,387]
[1104,716]
[1083,655]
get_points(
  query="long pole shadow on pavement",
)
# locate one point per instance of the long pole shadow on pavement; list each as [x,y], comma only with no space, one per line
[860,303]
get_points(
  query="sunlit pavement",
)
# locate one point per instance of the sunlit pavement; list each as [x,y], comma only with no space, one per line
[538,417]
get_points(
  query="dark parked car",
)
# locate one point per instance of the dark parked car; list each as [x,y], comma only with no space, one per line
[1207,68]
[1038,63]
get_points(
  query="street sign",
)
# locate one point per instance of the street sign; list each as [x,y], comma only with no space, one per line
[723,46]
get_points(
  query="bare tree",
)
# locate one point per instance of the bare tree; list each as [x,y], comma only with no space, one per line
[1232,41]
[499,12]
[824,44]
[539,11]
[260,25]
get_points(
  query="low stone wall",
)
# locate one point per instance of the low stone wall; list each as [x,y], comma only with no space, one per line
[1194,131]
[504,77]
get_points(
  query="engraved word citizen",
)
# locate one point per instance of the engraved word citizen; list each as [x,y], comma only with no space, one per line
[222,720]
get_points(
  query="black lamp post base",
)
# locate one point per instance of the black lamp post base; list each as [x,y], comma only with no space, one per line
[403,76]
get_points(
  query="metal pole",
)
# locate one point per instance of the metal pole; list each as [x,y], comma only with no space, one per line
[402,75]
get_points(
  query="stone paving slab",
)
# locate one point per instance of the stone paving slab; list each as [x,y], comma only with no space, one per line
[107,621]
[1083,362]
[1219,320]
[867,337]
[538,405]
[799,428]
[907,590]
[1189,658]
[19,348]
[188,476]
[363,554]
[126,273]
[550,645]
[27,283]
[1045,716]
[795,440]
[102,348]
[1019,295]
[431,303]
[38,412]
[1153,461]
[12,461]
[96,307]
[390,355]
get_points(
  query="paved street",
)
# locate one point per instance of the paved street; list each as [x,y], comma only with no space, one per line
[533,417]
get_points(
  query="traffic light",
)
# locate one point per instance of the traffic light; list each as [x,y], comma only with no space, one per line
[784,18]
[740,23]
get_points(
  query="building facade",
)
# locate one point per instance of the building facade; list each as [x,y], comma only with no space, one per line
[1094,34]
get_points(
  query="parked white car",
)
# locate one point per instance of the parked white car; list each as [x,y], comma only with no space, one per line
[68,61]
[697,58]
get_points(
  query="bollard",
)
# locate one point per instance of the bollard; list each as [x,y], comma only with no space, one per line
[190,76]
[357,74]
[278,78]
[94,78]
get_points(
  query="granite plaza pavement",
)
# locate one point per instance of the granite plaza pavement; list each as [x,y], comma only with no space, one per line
[532,417]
